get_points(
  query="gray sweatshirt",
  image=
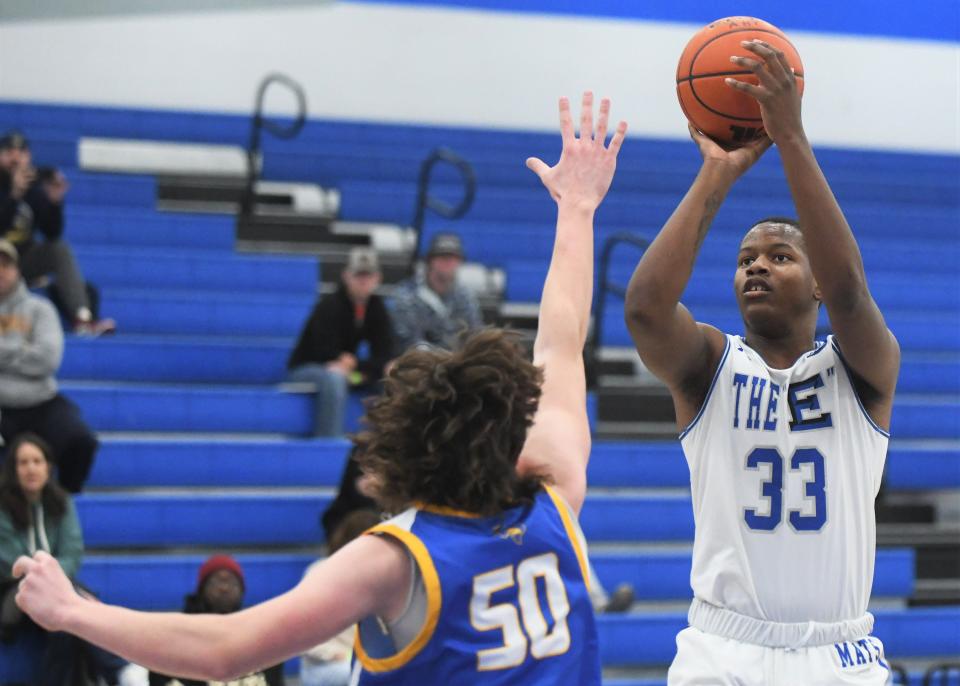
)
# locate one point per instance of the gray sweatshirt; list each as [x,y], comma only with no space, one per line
[31,347]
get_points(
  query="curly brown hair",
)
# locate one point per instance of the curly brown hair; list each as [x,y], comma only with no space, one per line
[449,427]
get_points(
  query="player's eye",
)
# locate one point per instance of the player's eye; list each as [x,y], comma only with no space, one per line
[745,261]
[781,258]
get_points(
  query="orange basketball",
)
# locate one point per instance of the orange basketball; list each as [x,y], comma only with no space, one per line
[725,114]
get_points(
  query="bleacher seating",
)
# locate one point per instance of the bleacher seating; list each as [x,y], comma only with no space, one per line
[204,334]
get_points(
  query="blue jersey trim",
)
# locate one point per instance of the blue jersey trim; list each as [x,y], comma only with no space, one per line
[856,395]
[821,346]
[703,407]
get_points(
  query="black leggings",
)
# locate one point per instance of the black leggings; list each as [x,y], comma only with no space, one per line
[58,422]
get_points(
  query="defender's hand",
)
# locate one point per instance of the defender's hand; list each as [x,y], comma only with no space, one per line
[777,93]
[585,170]
[45,592]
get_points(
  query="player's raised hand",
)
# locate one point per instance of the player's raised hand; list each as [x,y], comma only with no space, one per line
[585,170]
[45,592]
[777,93]
[736,160]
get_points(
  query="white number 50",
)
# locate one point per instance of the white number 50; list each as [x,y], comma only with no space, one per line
[542,641]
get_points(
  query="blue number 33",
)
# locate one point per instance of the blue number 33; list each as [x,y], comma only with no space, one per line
[772,489]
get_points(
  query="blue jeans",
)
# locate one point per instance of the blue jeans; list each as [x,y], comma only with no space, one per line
[331,396]
[324,673]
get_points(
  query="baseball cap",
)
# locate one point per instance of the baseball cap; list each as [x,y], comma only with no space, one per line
[9,249]
[217,563]
[446,244]
[14,140]
[363,261]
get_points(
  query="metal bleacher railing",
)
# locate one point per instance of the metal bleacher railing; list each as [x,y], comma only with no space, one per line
[604,287]
[259,122]
[441,207]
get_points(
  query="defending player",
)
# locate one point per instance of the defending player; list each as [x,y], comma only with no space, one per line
[785,437]
[482,578]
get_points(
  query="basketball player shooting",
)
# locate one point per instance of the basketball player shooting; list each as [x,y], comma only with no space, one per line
[465,443]
[785,437]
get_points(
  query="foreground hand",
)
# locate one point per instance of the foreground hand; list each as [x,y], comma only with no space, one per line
[348,361]
[585,170]
[737,160]
[777,93]
[45,592]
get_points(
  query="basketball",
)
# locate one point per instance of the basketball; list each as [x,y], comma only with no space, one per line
[727,115]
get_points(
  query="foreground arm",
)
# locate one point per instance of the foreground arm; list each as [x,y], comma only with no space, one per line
[558,445]
[368,576]
[868,346]
[681,352]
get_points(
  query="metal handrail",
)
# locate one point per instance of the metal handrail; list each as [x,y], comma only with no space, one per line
[259,122]
[604,286]
[441,207]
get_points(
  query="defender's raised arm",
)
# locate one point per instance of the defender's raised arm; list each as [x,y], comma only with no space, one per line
[558,444]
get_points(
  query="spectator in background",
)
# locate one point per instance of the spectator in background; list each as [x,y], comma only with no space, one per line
[220,590]
[31,203]
[37,514]
[31,347]
[350,497]
[328,664]
[345,343]
[431,308]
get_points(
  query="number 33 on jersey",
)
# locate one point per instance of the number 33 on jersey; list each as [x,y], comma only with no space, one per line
[784,467]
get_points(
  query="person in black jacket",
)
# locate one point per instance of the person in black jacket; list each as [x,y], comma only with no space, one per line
[346,342]
[31,217]
[220,590]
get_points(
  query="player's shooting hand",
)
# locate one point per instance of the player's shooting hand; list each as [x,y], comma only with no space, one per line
[585,170]
[735,160]
[45,592]
[777,93]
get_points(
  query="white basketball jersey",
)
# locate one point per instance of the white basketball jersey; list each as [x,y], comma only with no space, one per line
[784,468]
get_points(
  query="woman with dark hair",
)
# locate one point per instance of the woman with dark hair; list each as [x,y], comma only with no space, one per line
[37,515]
[481,578]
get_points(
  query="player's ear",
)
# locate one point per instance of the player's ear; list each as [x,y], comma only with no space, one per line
[817,295]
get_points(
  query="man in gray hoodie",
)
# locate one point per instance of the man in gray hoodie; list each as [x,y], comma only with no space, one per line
[31,348]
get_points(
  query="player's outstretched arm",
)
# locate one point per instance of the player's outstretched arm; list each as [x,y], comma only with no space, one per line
[558,445]
[868,346]
[368,576]
[681,352]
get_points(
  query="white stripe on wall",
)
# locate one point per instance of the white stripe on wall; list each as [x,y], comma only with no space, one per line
[461,67]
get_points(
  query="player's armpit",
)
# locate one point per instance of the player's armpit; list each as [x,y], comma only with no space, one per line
[871,354]
[369,576]
[681,352]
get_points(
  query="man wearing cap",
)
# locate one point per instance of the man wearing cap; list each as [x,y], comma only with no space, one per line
[31,205]
[31,348]
[430,307]
[345,343]
[220,590]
